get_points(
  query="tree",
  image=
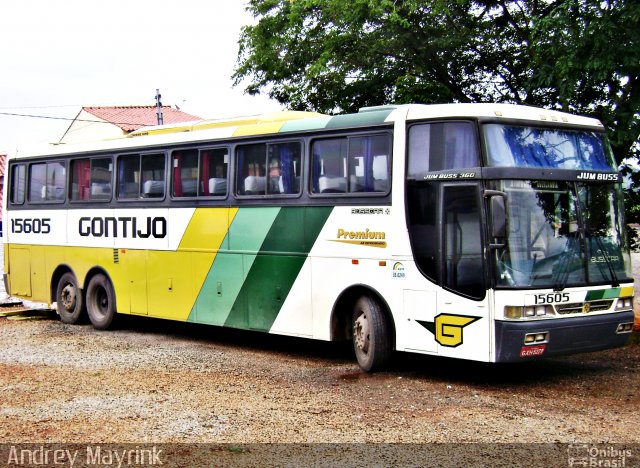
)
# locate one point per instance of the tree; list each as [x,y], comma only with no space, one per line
[336,56]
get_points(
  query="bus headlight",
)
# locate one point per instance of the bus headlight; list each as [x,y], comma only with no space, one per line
[624,303]
[527,312]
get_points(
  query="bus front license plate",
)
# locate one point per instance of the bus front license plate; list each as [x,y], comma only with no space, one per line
[532,351]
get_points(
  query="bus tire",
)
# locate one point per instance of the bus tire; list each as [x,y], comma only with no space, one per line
[101,302]
[69,299]
[371,340]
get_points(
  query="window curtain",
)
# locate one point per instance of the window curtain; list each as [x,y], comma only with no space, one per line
[177,175]
[367,152]
[82,175]
[240,175]
[122,183]
[204,177]
[287,169]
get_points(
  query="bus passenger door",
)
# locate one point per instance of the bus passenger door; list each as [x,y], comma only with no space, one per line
[462,325]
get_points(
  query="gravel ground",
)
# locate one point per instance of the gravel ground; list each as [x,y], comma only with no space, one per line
[161,382]
[152,381]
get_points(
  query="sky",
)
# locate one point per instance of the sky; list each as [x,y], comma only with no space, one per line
[59,55]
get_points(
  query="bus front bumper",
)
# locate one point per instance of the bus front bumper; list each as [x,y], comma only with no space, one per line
[523,341]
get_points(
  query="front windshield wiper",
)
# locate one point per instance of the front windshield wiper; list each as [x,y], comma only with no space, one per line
[614,278]
[565,260]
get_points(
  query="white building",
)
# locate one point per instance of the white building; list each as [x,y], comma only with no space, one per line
[99,123]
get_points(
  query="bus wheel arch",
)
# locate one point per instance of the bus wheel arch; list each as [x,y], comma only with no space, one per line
[358,306]
[100,299]
[67,294]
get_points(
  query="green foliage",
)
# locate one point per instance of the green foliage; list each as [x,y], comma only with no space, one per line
[337,56]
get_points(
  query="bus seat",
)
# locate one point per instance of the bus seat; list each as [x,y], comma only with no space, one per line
[189,187]
[153,188]
[254,185]
[356,183]
[381,185]
[99,189]
[332,184]
[217,186]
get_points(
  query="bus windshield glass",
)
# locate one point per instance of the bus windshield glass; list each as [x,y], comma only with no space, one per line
[517,146]
[562,234]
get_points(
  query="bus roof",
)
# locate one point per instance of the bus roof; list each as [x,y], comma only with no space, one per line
[296,121]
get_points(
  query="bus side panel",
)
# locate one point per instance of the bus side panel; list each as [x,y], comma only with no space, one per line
[219,292]
[170,279]
[133,281]
[274,269]
[250,285]
[20,271]
[39,281]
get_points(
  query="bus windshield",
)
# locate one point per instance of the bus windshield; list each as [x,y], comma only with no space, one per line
[562,234]
[517,146]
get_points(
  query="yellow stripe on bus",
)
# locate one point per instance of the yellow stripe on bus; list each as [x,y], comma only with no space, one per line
[258,129]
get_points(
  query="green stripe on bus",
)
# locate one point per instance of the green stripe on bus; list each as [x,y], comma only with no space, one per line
[305,124]
[360,119]
[595,295]
[276,268]
[226,276]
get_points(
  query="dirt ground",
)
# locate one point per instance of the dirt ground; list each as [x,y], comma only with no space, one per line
[153,381]
[156,381]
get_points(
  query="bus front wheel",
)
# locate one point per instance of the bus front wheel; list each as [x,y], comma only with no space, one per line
[69,299]
[101,302]
[371,340]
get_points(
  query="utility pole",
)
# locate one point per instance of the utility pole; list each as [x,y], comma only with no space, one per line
[159,108]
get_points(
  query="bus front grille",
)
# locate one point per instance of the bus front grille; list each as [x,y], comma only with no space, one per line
[584,307]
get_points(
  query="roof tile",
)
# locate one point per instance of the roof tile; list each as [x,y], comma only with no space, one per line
[130,118]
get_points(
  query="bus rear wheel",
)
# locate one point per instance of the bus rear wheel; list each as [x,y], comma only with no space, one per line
[101,302]
[371,340]
[69,299]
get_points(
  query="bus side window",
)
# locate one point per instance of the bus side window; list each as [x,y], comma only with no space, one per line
[185,173]
[141,176]
[251,169]
[329,166]
[101,174]
[284,168]
[91,179]
[442,146]
[18,173]
[368,164]
[153,174]
[214,164]
[47,182]
[80,179]
[129,177]
[358,164]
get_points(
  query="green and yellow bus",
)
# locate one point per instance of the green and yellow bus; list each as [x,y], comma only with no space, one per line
[476,231]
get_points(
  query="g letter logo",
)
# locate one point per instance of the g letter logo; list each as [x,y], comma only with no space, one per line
[448,328]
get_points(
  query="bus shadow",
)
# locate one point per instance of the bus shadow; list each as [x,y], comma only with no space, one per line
[556,370]
[408,365]
[336,352]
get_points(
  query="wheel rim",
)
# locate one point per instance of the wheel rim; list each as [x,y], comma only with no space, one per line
[68,296]
[361,333]
[102,301]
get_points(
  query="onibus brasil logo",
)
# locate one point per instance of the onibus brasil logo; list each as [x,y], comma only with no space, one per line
[448,328]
